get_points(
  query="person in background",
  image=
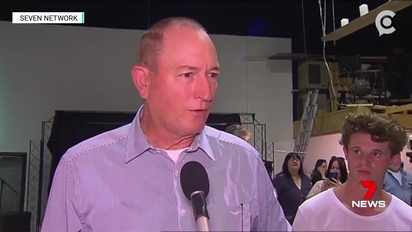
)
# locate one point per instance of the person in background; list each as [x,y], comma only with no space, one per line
[398,181]
[336,174]
[240,131]
[319,171]
[128,179]
[291,185]
[244,133]
[370,142]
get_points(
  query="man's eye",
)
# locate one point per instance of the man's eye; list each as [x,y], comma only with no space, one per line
[377,154]
[213,75]
[187,75]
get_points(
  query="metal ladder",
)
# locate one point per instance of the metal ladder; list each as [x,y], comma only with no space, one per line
[307,123]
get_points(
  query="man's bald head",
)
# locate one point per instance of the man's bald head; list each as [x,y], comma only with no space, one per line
[152,42]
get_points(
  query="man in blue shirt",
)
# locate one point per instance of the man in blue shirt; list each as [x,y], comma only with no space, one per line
[128,179]
[398,182]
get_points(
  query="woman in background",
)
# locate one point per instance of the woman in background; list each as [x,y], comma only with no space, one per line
[319,171]
[336,174]
[292,185]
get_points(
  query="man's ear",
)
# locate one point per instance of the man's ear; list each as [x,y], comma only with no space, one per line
[140,75]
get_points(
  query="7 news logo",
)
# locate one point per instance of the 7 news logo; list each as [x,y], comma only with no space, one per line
[367,202]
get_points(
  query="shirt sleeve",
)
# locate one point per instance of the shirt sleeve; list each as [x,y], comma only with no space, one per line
[315,190]
[270,214]
[61,215]
[300,223]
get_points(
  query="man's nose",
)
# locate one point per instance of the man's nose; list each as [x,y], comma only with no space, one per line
[365,158]
[202,88]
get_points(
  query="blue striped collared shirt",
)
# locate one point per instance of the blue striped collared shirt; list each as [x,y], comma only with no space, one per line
[117,182]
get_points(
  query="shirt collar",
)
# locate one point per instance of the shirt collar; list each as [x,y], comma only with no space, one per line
[401,171]
[137,142]
[201,141]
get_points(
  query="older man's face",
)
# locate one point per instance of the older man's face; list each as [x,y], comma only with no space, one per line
[247,137]
[182,91]
[395,164]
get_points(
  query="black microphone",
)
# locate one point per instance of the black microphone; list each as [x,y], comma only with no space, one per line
[195,186]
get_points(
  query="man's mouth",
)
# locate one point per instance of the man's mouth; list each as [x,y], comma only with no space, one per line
[364,171]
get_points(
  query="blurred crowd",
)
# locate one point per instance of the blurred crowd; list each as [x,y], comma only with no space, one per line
[293,186]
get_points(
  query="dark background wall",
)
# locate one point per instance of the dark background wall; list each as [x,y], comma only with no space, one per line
[254,18]
[11,173]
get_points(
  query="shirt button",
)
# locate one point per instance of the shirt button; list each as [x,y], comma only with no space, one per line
[183,211]
[176,173]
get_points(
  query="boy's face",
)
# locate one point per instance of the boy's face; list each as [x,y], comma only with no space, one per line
[368,160]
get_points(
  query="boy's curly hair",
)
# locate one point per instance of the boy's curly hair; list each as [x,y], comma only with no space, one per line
[381,128]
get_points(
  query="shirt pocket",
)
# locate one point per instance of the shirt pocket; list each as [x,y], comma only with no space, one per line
[230,217]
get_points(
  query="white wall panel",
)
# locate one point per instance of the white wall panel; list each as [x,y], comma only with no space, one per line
[45,67]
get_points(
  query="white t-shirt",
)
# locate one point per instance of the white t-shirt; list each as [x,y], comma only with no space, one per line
[325,212]
[174,154]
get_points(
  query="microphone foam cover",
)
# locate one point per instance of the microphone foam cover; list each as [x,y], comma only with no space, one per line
[193,177]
